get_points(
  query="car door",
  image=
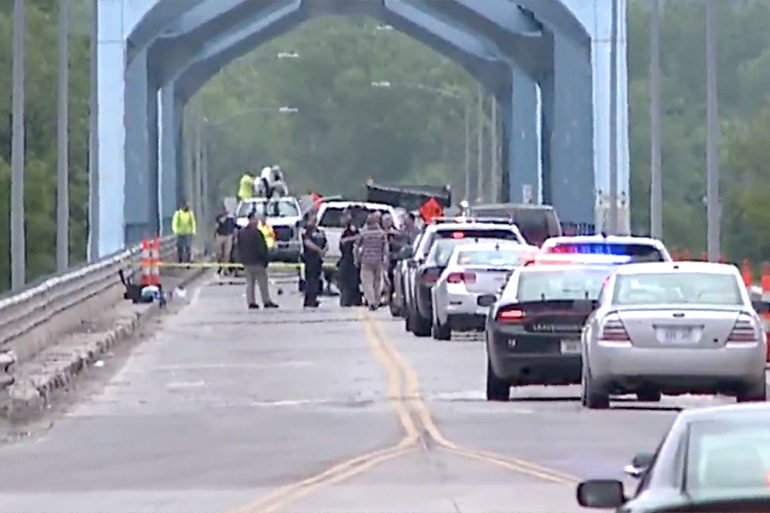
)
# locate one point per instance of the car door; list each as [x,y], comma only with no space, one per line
[411,264]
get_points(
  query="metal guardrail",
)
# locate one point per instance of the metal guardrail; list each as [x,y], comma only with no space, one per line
[37,305]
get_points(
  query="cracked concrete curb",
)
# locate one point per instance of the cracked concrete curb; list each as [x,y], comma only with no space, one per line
[57,366]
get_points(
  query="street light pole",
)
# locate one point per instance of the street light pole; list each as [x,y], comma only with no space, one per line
[480,146]
[656,184]
[467,104]
[93,141]
[18,249]
[62,140]
[712,145]
[613,210]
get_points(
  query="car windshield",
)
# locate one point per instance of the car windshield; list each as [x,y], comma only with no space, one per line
[675,288]
[639,253]
[730,455]
[332,216]
[492,257]
[573,284]
[280,208]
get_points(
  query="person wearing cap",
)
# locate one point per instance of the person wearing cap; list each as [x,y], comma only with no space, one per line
[254,255]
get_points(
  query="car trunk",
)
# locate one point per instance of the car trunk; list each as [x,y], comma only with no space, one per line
[557,316]
[488,279]
[679,327]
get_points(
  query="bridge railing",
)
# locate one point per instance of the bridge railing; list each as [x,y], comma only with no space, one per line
[32,319]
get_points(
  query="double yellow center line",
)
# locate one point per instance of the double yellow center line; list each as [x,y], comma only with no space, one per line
[419,431]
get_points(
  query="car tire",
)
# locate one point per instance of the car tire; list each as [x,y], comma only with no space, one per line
[648,395]
[395,311]
[755,393]
[441,331]
[595,398]
[497,389]
[419,326]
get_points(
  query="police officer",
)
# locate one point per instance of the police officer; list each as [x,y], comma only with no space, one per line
[348,272]
[314,247]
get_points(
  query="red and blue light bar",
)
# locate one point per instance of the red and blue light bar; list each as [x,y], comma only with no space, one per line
[587,248]
[578,259]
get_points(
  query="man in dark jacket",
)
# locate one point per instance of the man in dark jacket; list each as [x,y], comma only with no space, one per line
[253,252]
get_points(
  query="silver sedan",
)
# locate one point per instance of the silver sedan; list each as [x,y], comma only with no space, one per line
[473,270]
[674,328]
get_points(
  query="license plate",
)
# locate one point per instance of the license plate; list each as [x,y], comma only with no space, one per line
[676,335]
[570,346]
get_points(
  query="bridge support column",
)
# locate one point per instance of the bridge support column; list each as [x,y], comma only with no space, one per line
[567,133]
[520,154]
[167,161]
[141,189]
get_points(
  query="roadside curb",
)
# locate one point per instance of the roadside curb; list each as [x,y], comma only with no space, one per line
[57,367]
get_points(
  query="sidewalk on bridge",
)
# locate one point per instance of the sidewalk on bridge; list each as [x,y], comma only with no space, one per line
[58,365]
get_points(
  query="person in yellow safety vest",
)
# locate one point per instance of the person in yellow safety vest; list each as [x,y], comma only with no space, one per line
[183,226]
[246,186]
[267,231]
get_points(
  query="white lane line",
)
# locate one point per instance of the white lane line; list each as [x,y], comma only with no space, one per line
[175,385]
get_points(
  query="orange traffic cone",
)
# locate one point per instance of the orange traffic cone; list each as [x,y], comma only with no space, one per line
[746,273]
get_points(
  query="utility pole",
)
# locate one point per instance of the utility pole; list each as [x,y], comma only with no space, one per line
[613,211]
[656,177]
[712,144]
[480,146]
[93,141]
[62,143]
[493,152]
[467,105]
[18,245]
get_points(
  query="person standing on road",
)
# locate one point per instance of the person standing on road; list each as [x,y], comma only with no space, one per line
[410,229]
[372,249]
[183,226]
[392,234]
[348,273]
[246,186]
[314,247]
[252,250]
[223,234]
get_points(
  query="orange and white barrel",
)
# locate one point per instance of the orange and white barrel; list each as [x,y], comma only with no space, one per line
[146,263]
[155,262]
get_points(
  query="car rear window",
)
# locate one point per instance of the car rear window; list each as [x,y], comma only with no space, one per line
[573,284]
[478,233]
[638,252]
[492,257]
[731,455]
[332,216]
[677,288]
[443,248]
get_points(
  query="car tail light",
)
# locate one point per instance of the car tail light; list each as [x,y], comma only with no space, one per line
[743,331]
[614,331]
[430,276]
[461,278]
[510,315]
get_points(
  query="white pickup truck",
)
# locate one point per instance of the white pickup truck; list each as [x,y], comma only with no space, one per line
[284,216]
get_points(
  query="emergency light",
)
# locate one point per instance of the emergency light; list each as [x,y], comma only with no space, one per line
[580,259]
[588,249]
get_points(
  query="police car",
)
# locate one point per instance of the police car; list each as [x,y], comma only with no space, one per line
[532,330]
[638,249]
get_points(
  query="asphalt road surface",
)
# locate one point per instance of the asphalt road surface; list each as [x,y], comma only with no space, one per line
[330,410]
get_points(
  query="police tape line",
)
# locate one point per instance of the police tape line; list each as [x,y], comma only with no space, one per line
[215,265]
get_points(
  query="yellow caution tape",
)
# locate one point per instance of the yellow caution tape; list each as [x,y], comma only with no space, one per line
[215,265]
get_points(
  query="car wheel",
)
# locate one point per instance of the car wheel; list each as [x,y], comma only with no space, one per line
[497,389]
[420,326]
[648,395]
[441,331]
[395,310]
[754,393]
[596,398]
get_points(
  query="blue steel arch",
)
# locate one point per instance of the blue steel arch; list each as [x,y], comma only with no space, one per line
[520,26]
[173,49]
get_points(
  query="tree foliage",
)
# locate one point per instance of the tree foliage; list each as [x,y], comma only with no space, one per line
[347,131]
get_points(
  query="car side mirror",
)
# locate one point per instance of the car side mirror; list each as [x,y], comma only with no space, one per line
[639,465]
[761,307]
[486,300]
[601,494]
